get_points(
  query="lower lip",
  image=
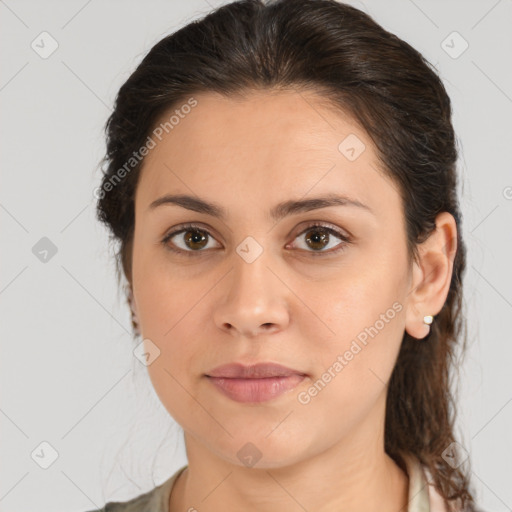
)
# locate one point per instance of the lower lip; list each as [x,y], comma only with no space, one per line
[256,390]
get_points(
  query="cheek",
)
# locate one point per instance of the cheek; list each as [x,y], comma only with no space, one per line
[167,321]
[159,294]
[353,378]
[165,308]
[366,326]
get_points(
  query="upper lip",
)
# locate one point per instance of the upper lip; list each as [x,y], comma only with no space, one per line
[255,371]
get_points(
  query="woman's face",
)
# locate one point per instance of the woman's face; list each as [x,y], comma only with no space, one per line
[260,285]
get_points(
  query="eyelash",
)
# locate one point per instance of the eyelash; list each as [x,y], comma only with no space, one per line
[322,227]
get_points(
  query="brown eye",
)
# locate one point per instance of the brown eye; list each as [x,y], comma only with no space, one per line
[191,239]
[318,239]
[195,239]
[320,236]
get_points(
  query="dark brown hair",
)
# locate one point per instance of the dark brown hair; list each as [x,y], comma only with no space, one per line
[394,93]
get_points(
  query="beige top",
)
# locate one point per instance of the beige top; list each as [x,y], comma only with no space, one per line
[423,497]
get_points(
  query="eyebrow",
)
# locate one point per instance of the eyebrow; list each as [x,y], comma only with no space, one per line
[277,213]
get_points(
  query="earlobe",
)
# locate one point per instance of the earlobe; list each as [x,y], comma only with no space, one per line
[134,310]
[431,276]
[413,324]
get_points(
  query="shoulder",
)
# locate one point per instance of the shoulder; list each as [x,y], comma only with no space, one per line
[138,504]
[154,500]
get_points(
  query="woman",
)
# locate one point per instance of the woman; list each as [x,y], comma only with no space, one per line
[281,181]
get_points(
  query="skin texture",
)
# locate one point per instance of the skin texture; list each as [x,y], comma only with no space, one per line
[288,306]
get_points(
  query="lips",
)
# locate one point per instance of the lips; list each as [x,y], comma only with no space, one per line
[256,383]
[256,371]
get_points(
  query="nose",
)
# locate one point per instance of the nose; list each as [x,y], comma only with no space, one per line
[253,299]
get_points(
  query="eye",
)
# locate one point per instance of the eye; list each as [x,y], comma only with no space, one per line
[195,239]
[320,236]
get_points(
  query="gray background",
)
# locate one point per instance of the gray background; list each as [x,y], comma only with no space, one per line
[68,375]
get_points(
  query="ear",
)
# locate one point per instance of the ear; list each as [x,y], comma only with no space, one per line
[431,275]
[133,307]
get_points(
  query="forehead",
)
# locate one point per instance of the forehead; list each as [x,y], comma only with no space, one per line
[266,146]
[287,125]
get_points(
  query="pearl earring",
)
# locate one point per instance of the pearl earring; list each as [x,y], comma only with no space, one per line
[428,319]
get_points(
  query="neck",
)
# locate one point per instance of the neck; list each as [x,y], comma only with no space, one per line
[355,474]
[373,489]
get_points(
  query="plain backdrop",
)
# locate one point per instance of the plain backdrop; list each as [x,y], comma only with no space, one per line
[73,396]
